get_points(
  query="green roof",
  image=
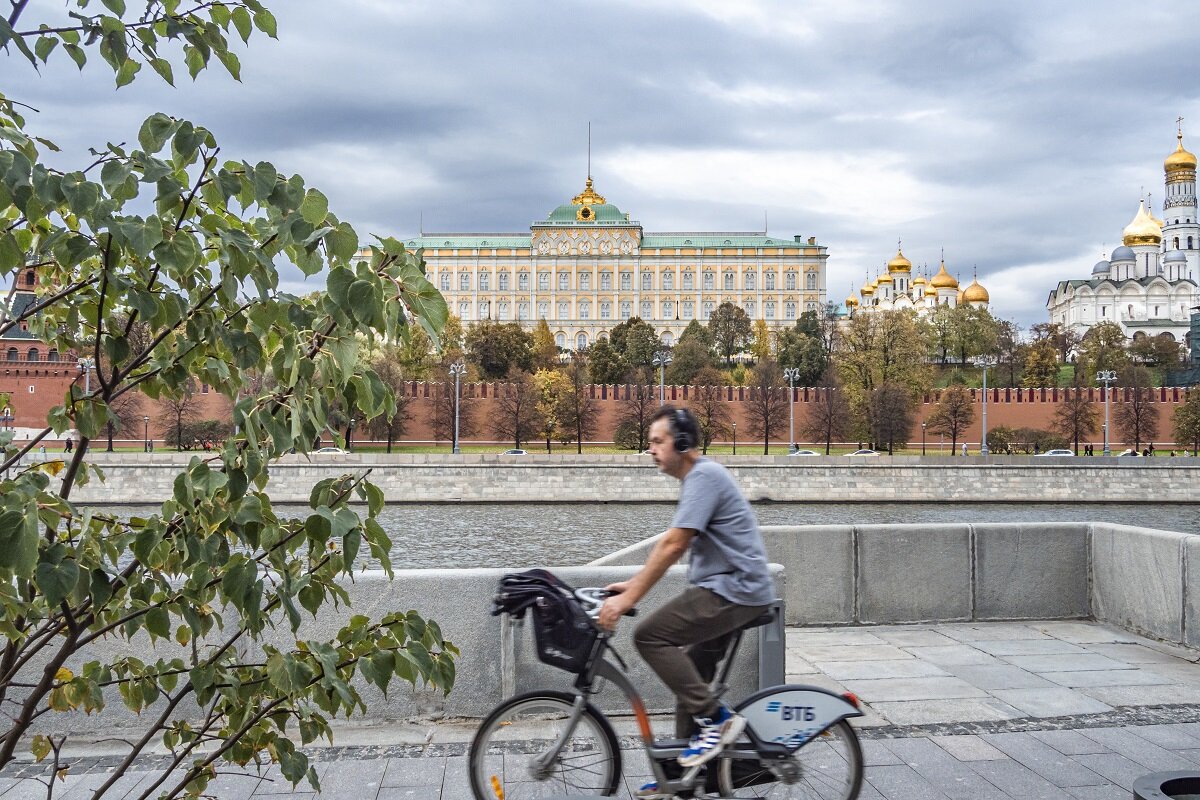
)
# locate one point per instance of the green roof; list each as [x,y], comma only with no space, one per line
[718,240]
[605,212]
[471,240]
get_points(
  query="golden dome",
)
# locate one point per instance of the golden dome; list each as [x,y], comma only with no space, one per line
[867,289]
[884,278]
[899,263]
[930,291]
[1143,229]
[1179,160]
[851,301]
[919,280]
[943,279]
[975,293]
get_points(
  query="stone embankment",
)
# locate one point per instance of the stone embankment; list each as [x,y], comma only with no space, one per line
[444,478]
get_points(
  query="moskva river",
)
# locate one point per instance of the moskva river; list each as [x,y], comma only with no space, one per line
[555,534]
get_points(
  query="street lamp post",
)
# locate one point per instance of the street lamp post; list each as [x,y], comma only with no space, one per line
[661,359]
[458,369]
[145,434]
[6,418]
[1106,376]
[983,448]
[350,436]
[922,438]
[85,365]
[735,438]
[791,375]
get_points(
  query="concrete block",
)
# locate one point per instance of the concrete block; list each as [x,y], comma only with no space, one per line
[819,561]
[1191,591]
[1137,579]
[910,574]
[1031,571]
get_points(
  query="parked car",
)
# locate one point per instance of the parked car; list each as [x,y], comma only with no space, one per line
[1057,452]
[331,451]
[512,451]
[863,452]
[804,453]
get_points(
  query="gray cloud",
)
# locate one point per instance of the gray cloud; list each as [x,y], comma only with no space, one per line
[1015,135]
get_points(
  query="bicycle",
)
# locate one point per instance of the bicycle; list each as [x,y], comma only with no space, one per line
[797,742]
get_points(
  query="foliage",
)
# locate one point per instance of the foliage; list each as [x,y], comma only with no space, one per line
[494,348]
[710,406]
[1136,419]
[696,330]
[1036,440]
[1001,438]
[197,432]
[1077,418]
[1041,365]
[545,351]
[689,358]
[828,417]
[640,403]
[604,363]
[1065,340]
[635,345]
[440,413]
[392,365]
[1160,351]
[175,411]
[973,331]
[1185,424]
[516,416]
[880,348]
[767,406]
[730,329]
[891,413]
[955,411]
[803,351]
[577,410]
[1010,354]
[1103,348]
[194,259]
[761,338]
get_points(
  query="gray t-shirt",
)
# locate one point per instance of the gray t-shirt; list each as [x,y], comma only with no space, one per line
[728,555]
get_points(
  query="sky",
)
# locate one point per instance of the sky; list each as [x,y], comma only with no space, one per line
[1016,137]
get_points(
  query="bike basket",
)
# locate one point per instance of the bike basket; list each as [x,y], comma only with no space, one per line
[561,629]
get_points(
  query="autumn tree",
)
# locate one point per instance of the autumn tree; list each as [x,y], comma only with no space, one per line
[891,413]
[391,364]
[767,408]
[939,332]
[761,338]
[635,345]
[440,414]
[803,351]
[878,348]
[1041,365]
[638,406]
[974,332]
[688,358]
[955,411]
[1064,338]
[175,413]
[1076,418]
[1136,419]
[545,351]
[604,363]
[579,410]
[1103,347]
[516,415]
[696,331]
[1185,423]
[1160,352]
[496,347]
[710,406]
[730,329]
[828,416]
[554,387]
[1010,352]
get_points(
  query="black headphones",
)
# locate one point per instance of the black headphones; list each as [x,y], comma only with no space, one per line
[683,436]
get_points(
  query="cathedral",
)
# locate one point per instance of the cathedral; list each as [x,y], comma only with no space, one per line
[1148,284]
[897,289]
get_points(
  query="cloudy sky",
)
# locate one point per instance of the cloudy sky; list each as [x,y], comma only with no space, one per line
[1015,135]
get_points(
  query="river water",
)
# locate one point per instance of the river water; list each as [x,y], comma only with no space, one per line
[557,534]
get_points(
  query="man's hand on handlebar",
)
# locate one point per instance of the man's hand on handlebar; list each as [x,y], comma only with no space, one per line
[615,606]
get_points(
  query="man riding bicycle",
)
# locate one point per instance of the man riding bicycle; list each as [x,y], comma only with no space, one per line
[730,586]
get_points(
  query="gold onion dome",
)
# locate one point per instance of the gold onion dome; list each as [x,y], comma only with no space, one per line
[884,278]
[899,263]
[919,280]
[1143,229]
[1181,159]
[851,301]
[867,289]
[943,279]
[975,293]
[930,291]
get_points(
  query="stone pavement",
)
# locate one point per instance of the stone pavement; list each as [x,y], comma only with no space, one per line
[985,711]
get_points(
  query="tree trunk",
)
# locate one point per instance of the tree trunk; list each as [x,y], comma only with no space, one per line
[110,436]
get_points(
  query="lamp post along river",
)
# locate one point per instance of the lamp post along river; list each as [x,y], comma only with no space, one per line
[1106,376]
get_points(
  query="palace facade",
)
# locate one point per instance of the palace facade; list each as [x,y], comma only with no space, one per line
[1148,284]
[588,267]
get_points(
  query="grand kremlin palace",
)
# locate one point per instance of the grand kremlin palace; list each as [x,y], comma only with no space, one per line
[588,267]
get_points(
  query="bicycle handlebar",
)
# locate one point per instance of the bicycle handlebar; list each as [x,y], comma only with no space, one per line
[592,597]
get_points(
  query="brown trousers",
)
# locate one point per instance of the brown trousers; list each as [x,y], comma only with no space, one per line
[684,640]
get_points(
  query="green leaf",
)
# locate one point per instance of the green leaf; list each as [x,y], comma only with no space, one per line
[115,6]
[19,541]
[44,46]
[243,23]
[11,255]
[129,68]
[155,131]
[265,21]
[57,580]
[77,54]
[288,674]
[163,68]
[40,747]
[265,178]
[158,622]
[232,65]
[314,208]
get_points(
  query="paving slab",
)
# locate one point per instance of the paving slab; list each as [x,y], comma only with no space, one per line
[804,638]
[865,670]
[1144,695]
[1070,743]
[904,636]
[1132,653]
[925,712]
[989,631]
[901,782]
[1084,632]
[1116,768]
[952,777]
[1018,780]
[1043,759]
[1067,662]
[892,689]
[1106,677]
[1027,647]
[955,655]
[863,652]
[1001,676]
[1170,737]
[1135,748]
[968,747]
[1050,702]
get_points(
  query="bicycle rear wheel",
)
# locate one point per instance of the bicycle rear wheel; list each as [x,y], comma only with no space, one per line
[506,750]
[828,767]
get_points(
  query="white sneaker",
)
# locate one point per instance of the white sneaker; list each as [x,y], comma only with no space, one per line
[714,734]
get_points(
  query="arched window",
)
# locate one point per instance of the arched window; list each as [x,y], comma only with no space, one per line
[750,281]
[52,355]
[502,309]
[464,281]
[647,281]
[727,281]
[445,281]
[647,309]
[522,310]
[790,281]
[581,341]
[626,309]
[1176,242]
[464,310]
[605,310]
[564,309]
[564,281]
[1189,247]
[708,281]
[585,309]
[523,281]
[485,281]
[689,281]
[668,281]
[789,310]
[13,355]
[33,355]
[30,279]
[605,281]
[485,310]
[810,281]
[769,281]
[502,281]
[560,340]
[708,309]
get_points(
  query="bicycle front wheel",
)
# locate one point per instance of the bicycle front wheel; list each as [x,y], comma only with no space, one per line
[509,755]
[828,767]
